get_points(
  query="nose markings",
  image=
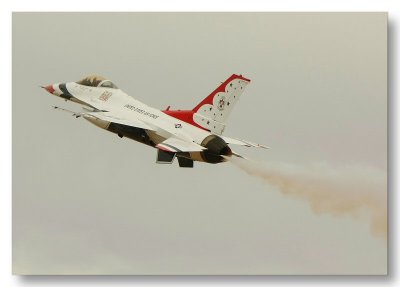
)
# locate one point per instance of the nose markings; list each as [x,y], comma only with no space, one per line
[65,93]
[49,88]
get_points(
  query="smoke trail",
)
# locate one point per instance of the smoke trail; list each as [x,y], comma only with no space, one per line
[349,190]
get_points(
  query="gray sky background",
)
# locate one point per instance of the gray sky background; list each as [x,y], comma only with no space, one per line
[88,202]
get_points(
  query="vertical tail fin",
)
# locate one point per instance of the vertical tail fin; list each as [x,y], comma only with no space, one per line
[213,111]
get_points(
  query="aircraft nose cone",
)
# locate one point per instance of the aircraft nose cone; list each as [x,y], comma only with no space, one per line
[49,88]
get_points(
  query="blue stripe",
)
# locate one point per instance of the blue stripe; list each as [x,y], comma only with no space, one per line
[65,93]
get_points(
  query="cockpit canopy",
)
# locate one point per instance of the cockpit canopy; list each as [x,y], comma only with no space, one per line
[97,81]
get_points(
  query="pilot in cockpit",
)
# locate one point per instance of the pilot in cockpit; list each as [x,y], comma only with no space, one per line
[97,81]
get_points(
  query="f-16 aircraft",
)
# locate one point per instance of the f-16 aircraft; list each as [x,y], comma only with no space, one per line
[189,135]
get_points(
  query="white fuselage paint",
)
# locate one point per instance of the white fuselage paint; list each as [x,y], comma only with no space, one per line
[118,102]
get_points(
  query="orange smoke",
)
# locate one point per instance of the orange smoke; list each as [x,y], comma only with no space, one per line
[349,190]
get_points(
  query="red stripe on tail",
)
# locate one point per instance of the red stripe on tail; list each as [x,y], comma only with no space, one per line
[221,88]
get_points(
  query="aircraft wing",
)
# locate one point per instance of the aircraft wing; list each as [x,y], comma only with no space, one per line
[109,117]
[177,145]
[242,142]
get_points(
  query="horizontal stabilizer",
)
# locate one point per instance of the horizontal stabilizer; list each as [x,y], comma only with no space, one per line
[238,155]
[242,142]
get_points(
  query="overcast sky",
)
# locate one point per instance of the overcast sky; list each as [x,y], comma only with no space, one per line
[87,202]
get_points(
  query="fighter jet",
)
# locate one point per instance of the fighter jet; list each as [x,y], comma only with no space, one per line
[188,135]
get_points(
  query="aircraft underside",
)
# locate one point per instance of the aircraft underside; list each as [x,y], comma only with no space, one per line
[185,159]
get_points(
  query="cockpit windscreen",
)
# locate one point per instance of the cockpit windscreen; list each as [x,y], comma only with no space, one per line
[97,81]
